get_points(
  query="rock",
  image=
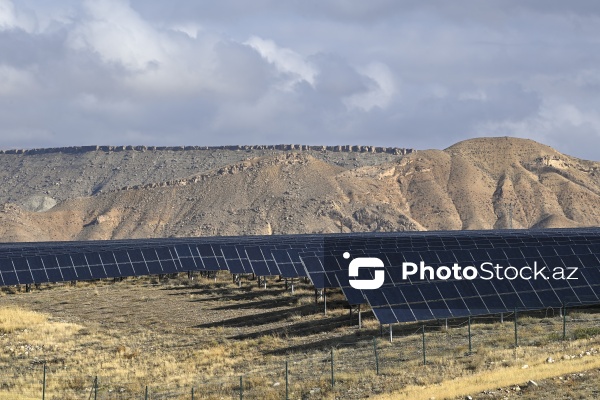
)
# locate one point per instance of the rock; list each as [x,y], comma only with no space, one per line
[550,360]
[38,203]
[532,384]
[468,398]
[525,366]
[276,384]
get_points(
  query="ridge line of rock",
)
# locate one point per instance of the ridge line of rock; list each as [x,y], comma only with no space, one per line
[284,147]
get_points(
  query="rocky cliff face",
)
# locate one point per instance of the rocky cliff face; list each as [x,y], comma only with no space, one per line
[487,183]
[69,172]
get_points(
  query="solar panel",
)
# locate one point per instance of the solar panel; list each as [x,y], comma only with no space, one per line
[319,257]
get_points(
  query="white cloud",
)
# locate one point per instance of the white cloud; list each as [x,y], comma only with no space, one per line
[118,35]
[11,19]
[555,121]
[286,60]
[380,93]
[15,82]
[403,73]
[190,29]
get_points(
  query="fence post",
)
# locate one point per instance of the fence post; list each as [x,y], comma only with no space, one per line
[95,387]
[146,395]
[564,313]
[241,388]
[332,373]
[376,355]
[287,385]
[516,334]
[424,357]
[192,393]
[44,384]
[469,326]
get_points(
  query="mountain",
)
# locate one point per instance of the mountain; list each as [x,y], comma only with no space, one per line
[485,183]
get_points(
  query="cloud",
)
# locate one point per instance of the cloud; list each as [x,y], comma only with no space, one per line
[111,29]
[285,60]
[402,73]
[380,92]
[15,82]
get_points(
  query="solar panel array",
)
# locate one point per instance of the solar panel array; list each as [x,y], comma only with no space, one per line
[319,257]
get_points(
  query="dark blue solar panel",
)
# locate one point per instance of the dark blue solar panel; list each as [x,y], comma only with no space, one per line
[149,255]
[69,274]
[107,257]
[83,273]
[24,277]
[78,259]
[92,259]
[183,251]
[39,275]
[321,261]
[6,265]
[9,278]
[20,264]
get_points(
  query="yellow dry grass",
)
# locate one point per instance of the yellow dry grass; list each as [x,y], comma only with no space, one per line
[537,370]
[15,318]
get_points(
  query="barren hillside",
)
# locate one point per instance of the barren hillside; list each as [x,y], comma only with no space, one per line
[475,184]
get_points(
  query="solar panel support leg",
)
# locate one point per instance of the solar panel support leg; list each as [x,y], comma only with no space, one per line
[324,302]
[27,288]
[391,334]
[292,285]
[265,282]
[424,354]
[359,318]
[501,317]
[381,330]
[516,334]
[446,324]
[286,283]
[469,333]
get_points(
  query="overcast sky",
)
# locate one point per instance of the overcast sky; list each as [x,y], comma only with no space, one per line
[421,74]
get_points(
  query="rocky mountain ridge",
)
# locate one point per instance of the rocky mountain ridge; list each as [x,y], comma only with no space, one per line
[486,183]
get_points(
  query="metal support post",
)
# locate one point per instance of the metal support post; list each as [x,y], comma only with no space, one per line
[287,384]
[332,369]
[376,355]
[469,325]
[516,334]
[424,357]
[359,318]
[44,384]
[564,322]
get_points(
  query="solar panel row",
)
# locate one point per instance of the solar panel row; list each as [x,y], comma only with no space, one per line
[319,257]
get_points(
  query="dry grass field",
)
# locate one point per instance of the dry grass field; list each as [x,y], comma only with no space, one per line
[175,334]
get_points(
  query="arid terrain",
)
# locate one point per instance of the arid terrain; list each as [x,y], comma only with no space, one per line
[174,334]
[485,183]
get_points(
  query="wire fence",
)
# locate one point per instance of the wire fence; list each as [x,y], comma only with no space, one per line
[374,363]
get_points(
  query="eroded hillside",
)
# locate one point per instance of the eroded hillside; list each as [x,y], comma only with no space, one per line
[476,184]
